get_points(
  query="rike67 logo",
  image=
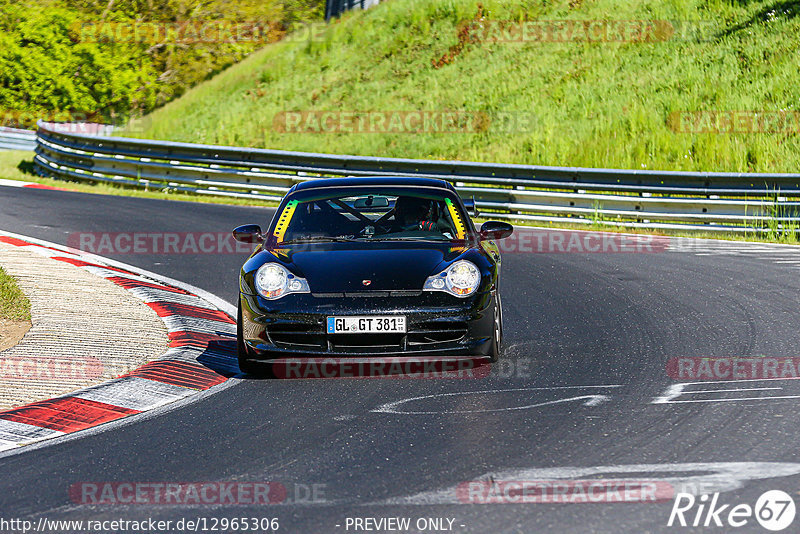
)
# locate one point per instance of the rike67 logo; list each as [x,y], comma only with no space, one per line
[774,510]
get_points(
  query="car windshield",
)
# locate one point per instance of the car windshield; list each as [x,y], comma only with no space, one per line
[373,214]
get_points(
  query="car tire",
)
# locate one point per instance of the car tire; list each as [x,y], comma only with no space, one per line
[500,309]
[497,332]
[245,365]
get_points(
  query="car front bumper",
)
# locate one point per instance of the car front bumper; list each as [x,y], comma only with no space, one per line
[438,324]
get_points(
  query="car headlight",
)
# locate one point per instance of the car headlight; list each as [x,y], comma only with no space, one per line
[460,279]
[273,281]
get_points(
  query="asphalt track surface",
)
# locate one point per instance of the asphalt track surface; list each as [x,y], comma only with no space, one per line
[585,322]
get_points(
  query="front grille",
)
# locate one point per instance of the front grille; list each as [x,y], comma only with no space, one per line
[369,294]
[372,341]
[436,332]
[289,334]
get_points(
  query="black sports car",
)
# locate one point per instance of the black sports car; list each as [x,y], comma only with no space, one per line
[370,267]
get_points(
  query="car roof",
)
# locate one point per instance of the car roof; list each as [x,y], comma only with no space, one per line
[321,183]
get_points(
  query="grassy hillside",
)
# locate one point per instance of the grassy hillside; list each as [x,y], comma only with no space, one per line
[594,104]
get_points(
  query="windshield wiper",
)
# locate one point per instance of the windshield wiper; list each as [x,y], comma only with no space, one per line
[322,239]
[409,238]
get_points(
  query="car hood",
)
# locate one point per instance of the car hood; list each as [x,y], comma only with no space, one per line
[387,266]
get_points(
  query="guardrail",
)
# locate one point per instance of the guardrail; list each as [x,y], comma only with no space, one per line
[632,198]
[334,8]
[14,139]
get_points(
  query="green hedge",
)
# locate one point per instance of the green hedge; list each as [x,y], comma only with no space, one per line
[49,68]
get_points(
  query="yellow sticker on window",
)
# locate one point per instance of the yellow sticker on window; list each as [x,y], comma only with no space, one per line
[284,219]
[461,230]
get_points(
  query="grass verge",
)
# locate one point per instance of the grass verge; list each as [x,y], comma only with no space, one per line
[14,305]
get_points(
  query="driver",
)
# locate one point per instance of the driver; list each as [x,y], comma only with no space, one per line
[413,213]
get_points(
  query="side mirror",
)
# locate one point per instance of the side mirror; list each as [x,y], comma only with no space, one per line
[248,233]
[495,230]
[469,203]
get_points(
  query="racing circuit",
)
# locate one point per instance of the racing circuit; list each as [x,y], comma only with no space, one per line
[582,392]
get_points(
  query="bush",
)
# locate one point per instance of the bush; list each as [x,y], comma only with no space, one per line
[49,68]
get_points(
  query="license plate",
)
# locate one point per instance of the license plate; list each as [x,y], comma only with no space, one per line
[372,324]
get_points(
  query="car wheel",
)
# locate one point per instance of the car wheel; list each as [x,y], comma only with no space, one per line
[497,332]
[245,365]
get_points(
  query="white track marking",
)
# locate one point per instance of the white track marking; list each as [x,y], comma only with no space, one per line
[14,183]
[111,273]
[730,390]
[736,400]
[135,393]
[596,399]
[591,400]
[182,323]
[701,478]
[677,390]
[184,354]
[20,432]
[150,294]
